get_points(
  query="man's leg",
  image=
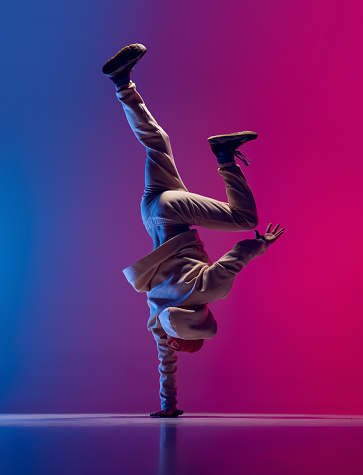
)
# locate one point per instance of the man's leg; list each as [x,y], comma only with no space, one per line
[166,202]
[178,207]
[160,171]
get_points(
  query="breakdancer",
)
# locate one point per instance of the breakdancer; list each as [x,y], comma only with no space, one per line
[178,276]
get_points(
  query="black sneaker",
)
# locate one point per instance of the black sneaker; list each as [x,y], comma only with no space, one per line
[120,65]
[225,146]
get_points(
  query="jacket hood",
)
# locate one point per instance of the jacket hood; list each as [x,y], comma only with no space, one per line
[140,274]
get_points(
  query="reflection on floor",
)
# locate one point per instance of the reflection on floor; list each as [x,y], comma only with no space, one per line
[195,444]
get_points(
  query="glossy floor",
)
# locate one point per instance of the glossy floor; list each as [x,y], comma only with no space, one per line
[84,444]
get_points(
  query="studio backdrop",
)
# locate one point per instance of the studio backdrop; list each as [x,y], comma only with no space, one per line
[73,331]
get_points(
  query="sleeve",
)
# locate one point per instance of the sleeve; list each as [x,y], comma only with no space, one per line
[215,282]
[241,254]
[167,369]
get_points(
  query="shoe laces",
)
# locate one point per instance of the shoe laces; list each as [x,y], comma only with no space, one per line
[242,157]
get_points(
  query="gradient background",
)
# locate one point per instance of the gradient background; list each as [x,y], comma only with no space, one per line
[73,331]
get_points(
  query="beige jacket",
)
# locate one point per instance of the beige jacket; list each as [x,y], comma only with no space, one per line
[177,276]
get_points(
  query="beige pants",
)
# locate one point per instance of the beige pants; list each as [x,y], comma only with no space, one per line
[166,201]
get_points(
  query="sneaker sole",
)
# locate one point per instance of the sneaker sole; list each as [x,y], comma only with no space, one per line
[124,59]
[242,137]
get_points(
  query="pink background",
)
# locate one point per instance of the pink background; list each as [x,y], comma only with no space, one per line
[74,332]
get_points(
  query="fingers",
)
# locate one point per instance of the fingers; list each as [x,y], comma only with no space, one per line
[279,233]
[275,233]
[275,228]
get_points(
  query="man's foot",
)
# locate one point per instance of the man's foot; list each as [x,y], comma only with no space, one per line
[120,65]
[228,139]
[168,413]
[225,146]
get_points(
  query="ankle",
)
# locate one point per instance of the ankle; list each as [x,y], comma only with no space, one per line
[121,80]
[225,157]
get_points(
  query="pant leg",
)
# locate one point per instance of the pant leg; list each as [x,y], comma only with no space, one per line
[178,207]
[160,171]
[166,201]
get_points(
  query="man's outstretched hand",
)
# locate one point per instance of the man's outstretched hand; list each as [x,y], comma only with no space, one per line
[270,237]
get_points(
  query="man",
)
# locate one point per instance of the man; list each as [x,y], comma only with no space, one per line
[178,277]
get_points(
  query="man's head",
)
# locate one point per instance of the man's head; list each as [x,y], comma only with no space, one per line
[178,344]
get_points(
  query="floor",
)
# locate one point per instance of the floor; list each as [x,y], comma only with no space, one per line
[194,444]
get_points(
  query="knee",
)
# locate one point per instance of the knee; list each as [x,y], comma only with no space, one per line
[253,222]
[249,223]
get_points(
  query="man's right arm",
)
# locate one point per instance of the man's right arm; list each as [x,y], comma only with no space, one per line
[167,369]
[215,282]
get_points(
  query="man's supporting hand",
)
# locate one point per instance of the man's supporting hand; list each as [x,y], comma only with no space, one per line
[174,412]
[270,237]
